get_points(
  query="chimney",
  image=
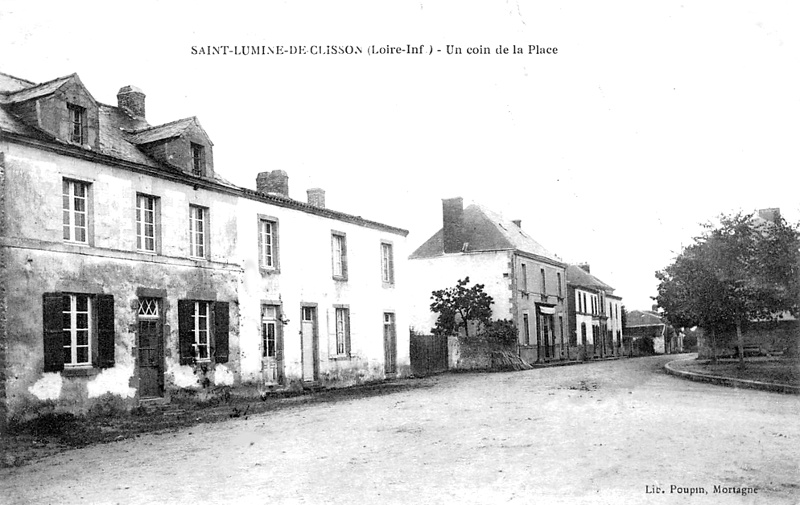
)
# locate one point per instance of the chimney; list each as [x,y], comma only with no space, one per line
[316,197]
[453,224]
[585,266]
[770,215]
[131,100]
[518,222]
[276,182]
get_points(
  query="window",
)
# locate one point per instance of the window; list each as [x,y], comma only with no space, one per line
[268,244]
[269,330]
[544,281]
[203,328]
[198,159]
[197,231]
[75,197]
[583,334]
[78,331]
[558,278]
[585,306]
[561,328]
[146,223]
[524,275]
[339,245]
[77,123]
[387,264]
[343,332]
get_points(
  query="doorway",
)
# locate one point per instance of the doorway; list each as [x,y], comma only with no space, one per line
[308,336]
[151,349]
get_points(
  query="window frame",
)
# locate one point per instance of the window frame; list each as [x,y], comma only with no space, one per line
[544,281]
[341,339]
[338,237]
[201,246]
[141,238]
[73,330]
[198,159]
[387,264]
[266,322]
[68,190]
[77,123]
[275,244]
[524,275]
[196,330]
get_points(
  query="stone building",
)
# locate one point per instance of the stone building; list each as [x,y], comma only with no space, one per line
[594,315]
[131,271]
[526,281]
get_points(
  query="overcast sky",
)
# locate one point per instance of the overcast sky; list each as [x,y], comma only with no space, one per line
[652,117]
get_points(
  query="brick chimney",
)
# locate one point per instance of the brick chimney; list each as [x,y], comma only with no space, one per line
[131,100]
[316,197]
[585,266]
[453,224]
[276,182]
[770,215]
[518,222]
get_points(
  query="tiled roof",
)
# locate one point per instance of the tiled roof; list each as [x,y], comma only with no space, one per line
[161,132]
[577,276]
[10,84]
[38,90]
[643,318]
[485,230]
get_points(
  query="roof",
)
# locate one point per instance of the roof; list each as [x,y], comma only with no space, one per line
[120,134]
[38,90]
[577,276]
[485,230]
[643,318]
[165,131]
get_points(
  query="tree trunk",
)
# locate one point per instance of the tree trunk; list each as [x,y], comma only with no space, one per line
[740,339]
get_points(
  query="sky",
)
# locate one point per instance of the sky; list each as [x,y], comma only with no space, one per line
[652,118]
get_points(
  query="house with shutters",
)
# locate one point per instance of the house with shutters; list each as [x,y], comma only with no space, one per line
[594,316]
[526,281]
[131,271]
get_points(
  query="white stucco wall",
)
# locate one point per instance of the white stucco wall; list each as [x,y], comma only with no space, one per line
[305,276]
[493,269]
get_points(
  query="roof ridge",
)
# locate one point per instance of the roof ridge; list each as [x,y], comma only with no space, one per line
[18,78]
[41,84]
[153,127]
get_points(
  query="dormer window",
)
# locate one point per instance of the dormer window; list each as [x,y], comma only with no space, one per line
[198,159]
[77,120]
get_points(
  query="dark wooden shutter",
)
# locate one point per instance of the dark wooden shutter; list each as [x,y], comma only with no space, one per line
[185,340]
[347,332]
[105,331]
[279,344]
[53,325]
[221,324]
[391,264]
[344,256]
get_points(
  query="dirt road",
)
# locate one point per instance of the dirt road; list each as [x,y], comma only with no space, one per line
[613,432]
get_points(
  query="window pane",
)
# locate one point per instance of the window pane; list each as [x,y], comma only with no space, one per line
[83,355]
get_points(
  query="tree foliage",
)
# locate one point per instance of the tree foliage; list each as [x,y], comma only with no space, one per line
[460,304]
[743,269]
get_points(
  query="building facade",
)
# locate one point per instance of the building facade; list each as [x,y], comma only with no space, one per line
[131,271]
[595,316]
[526,281]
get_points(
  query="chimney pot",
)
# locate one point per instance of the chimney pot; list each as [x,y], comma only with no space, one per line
[585,266]
[316,197]
[131,100]
[453,224]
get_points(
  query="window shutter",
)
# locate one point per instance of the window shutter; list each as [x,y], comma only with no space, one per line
[344,257]
[53,332]
[221,324]
[105,331]
[347,332]
[279,345]
[185,308]
[391,265]
[260,240]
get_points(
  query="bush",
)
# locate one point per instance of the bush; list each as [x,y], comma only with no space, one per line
[503,331]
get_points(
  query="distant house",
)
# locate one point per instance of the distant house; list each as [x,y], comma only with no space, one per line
[644,324]
[594,315]
[527,282]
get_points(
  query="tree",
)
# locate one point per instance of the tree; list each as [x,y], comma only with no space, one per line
[741,270]
[459,305]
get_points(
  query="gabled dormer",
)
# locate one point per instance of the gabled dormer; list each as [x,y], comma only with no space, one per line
[63,108]
[181,144]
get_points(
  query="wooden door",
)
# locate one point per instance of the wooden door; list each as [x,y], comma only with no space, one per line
[389,343]
[151,353]
[272,344]
[308,336]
